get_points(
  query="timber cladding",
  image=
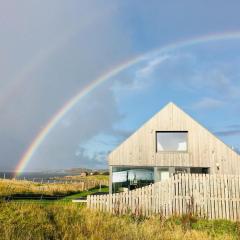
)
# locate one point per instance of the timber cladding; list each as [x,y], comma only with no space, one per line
[213,196]
[203,148]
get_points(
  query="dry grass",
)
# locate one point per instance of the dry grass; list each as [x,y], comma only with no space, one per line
[28,220]
[99,177]
[11,187]
[35,221]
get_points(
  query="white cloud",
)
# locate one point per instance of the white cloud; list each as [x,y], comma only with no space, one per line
[208,103]
[216,80]
[151,65]
[141,77]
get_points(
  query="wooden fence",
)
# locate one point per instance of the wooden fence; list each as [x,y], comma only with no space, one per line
[209,196]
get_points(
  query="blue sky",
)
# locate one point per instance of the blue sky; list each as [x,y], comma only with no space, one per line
[51,50]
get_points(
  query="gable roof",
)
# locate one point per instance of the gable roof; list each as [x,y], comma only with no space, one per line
[169,118]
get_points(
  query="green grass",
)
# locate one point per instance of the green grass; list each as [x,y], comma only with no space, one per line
[73,221]
[33,201]
[217,227]
[84,193]
[68,198]
[62,219]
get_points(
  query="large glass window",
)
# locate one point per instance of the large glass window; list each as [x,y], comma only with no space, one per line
[172,141]
[126,178]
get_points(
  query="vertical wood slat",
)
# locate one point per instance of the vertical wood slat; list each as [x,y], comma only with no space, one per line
[237,197]
[194,194]
[177,194]
[190,202]
[219,197]
[214,196]
[213,184]
[230,197]
[205,149]
[183,187]
[207,199]
[226,196]
[222,198]
[205,195]
[233,198]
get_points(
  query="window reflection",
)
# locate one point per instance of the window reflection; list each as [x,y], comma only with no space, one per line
[125,178]
[172,141]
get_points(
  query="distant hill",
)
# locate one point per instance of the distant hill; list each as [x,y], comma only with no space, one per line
[77,171]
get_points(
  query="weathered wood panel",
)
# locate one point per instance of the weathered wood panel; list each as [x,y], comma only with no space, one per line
[208,196]
[204,149]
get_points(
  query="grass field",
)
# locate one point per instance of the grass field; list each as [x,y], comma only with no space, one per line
[62,219]
[14,187]
[99,177]
[72,221]
[65,199]
[85,193]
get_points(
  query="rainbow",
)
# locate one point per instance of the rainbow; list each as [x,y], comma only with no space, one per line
[106,76]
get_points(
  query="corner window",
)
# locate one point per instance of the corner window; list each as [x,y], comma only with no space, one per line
[129,178]
[171,141]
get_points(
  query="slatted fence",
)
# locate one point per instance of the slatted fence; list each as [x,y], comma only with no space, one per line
[210,196]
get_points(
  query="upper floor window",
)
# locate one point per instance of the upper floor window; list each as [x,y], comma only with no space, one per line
[171,141]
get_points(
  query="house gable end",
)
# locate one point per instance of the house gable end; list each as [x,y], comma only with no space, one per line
[204,149]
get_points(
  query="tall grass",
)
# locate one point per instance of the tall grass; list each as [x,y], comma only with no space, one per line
[99,177]
[13,187]
[67,221]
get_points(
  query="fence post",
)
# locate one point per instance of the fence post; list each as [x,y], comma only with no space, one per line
[212,196]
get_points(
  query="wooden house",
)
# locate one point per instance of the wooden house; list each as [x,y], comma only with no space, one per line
[170,142]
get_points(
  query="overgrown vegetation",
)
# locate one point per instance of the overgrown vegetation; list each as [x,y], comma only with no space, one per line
[69,221]
[14,187]
[61,219]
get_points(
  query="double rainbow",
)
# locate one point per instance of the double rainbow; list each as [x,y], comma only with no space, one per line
[105,77]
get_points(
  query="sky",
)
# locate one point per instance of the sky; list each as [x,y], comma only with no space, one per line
[51,50]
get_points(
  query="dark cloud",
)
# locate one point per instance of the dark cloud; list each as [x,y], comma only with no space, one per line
[94,115]
[51,51]
[76,43]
